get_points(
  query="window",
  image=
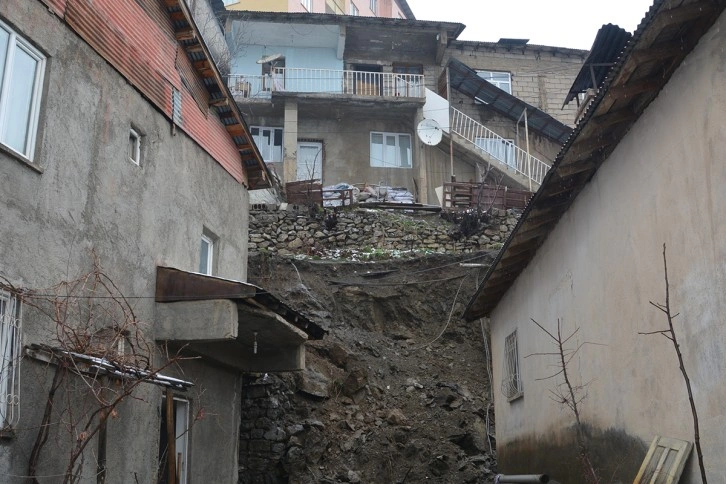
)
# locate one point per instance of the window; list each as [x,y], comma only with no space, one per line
[9,359]
[390,150]
[21,78]
[503,80]
[134,147]
[269,142]
[354,10]
[206,255]
[308,4]
[180,421]
[512,378]
[374,7]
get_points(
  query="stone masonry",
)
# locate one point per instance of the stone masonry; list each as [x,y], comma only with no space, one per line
[293,232]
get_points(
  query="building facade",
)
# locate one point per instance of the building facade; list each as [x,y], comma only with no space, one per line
[339,98]
[124,211]
[637,182]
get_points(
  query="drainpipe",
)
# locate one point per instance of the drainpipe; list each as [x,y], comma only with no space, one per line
[521,479]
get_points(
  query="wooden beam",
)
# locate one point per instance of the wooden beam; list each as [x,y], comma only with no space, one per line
[682,13]
[633,88]
[194,48]
[178,16]
[171,3]
[187,33]
[566,171]
[532,234]
[235,130]
[657,52]
[613,118]
[583,148]
[219,103]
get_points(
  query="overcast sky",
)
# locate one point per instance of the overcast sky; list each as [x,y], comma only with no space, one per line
[563,23]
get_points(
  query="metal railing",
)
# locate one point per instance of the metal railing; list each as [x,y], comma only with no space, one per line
[328,81]
[501,149]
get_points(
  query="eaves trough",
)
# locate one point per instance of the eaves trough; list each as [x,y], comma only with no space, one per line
[669,31]
[233,323]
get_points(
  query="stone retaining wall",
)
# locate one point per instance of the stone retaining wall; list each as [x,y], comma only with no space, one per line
[294,232]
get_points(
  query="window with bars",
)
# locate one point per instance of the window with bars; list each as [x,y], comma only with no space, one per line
[511,378]
[21,80]
[10,318]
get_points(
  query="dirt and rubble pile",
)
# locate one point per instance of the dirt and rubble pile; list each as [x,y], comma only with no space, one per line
[396,392]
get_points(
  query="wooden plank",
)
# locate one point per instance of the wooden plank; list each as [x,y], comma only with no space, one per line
[664,462]
[657,52]
[186,33]
[235,129]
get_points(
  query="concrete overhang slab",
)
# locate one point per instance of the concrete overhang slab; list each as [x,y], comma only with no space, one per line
[232,333]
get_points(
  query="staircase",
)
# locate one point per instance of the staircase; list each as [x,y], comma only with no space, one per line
[519,167]
[507,157]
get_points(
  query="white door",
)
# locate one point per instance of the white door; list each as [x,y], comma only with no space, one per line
[309,161]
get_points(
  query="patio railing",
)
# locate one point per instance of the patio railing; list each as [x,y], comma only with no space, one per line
[328,81]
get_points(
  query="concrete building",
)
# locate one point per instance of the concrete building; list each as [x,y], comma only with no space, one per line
[339,98]
[367,8]
[642,169]
[125,321]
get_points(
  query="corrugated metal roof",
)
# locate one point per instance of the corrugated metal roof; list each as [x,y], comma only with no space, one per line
[465,80]
[606,49]
[669,31]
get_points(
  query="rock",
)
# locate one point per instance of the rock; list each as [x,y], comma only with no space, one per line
[439,466]
[313,383]
[356,380]
[354,477]
[296,244]
[396,417]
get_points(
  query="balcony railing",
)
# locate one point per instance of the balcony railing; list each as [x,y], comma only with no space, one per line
[327,81]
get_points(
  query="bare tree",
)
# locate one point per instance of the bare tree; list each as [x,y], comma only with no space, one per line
[100,355]
[570,394]
[670,334]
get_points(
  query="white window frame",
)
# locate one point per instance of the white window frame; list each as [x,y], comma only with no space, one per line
[206,239]
[135,150]
[307,5]
[380,161]
[354,10]
[491,78]
[374,7]
[511,373]
[267,150]
[10,344]
[16,42]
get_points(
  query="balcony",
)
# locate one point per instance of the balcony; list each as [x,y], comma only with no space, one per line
[327,81]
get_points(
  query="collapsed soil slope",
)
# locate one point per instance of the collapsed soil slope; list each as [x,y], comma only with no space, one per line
[398,389]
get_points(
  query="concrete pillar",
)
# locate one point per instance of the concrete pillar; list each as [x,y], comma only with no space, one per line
[290,142]
[420,155]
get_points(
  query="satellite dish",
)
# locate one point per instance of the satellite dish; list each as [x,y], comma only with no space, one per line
[429,132]
[270,58]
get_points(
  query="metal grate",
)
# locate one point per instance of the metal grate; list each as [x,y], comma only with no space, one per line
[176,106]
[511,380]
[10,319]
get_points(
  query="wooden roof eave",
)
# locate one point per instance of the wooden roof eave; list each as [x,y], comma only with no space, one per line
[617,107]
[259,176]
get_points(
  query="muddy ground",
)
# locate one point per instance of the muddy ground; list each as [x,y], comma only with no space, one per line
[397,391]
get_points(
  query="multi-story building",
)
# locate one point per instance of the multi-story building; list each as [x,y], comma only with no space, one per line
[340,98]
[368,8]
[125,321]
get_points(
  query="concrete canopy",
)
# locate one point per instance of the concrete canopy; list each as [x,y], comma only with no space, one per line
[230,322]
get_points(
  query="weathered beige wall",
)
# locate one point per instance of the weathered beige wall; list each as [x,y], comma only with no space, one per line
[541,75]
[601,266]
